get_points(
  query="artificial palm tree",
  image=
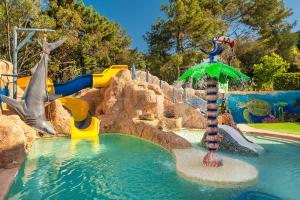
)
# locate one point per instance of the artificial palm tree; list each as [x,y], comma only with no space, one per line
[214,72]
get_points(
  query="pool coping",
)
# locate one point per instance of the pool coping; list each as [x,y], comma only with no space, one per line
[262,132]
[7,177]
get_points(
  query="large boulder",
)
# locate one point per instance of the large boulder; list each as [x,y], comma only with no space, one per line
[15,138]
[191,117]
[30,133]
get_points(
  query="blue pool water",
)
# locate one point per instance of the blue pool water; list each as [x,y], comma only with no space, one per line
[125,167]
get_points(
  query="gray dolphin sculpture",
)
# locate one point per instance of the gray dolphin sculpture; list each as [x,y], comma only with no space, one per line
[32,105]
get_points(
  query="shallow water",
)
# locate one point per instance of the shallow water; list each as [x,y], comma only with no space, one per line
[125,167]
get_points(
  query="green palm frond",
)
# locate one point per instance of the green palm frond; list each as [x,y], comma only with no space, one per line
[217,70]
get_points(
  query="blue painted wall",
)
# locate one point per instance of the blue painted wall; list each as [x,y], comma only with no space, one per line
[257,105]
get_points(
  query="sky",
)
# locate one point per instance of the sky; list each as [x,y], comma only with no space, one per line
[137,16]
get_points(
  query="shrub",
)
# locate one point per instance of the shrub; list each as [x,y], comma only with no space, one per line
[265,71]
[287,81]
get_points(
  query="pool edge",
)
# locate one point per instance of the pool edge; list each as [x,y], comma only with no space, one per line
[7,177]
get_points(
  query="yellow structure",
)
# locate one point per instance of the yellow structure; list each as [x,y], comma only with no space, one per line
[78,107]
[90,134]
[104,79]
[99,79]
[24,81]
[91,130]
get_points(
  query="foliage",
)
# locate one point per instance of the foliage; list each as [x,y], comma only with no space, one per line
[287,81]
[15,13]
[260,28]
[249,52]
[298,44]
[189,24]
[266,22]
[137,58]
[92,41]
[295,66]
[265,71]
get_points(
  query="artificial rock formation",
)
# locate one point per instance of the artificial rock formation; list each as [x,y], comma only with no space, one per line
[15,138]
[59,117]
[135,108]
[191,117]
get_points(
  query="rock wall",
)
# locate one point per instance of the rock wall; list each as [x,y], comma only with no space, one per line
[15,139]
[59,117]
[167,88]
[135,108]
[191,117]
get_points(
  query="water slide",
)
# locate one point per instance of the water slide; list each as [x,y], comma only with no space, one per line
[241,139]
[88,125]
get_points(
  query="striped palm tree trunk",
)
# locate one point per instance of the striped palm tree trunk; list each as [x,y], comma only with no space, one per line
[211,159]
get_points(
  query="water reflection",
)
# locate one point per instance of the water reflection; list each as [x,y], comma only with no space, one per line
[92,140]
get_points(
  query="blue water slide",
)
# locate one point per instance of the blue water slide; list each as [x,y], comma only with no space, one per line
[74,86]
[4,91]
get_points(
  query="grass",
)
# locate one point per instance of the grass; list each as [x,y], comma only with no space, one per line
[288,127]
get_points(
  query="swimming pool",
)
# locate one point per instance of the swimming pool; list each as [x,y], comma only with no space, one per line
[125,167]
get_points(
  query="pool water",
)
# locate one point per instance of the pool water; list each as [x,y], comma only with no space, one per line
[125,167]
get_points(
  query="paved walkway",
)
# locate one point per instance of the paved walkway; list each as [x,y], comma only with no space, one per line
[248,129]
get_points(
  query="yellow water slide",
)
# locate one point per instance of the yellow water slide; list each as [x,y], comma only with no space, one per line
[104,79]
[80,112]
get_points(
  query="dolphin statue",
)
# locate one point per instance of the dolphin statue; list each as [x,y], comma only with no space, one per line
[31,107]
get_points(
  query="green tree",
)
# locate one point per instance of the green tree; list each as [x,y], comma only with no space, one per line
[298,36]
[137,58]
[92,41]
[189,24]
[15,13]
[265,71]
[260,27]
[265,22]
